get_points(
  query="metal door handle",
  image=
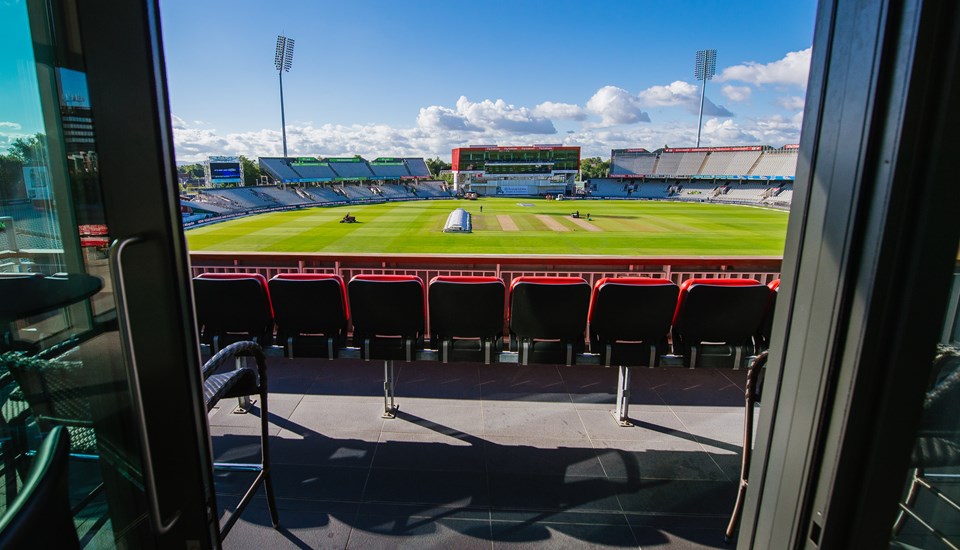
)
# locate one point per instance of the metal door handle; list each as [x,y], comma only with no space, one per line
[126,341]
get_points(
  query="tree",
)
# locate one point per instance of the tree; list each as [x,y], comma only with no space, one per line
[30,150]
[593,167]
[11,178]
[436,165]
[251,171]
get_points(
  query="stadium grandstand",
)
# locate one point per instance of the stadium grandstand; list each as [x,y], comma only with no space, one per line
[720,163]
[319,170]
[743,174]
[527,171]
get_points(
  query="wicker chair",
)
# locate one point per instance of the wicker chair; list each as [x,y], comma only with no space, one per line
[937,446]
[241,382]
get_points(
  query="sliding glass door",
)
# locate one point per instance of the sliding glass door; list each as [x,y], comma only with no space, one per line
[96,321]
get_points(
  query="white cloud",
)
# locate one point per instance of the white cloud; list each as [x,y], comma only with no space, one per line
[560,111]
[9,126]
[791,103]
[681,94]
[484,115]
[177,122]
[373,140]
[442,118]
[675,93]
[616,106]
[737,93]
[791,70]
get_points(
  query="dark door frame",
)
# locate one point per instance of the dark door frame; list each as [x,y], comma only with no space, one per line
[870,253]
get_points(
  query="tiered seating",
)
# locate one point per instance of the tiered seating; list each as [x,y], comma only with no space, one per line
[243,197]
[432,189]
[389,170]
[233,307]
[287,197]
[633,164]
[548,317]
[350,168]
[784,197]
[725,311]
[358,192]
[393,191]
[744,192]
[690,163]
[776,164]
[696,191]
[310,308]
[668,164]
[417,167]
[656,190]
[316,172]
[466,317]
[278,169]
[729,163]
[609,188]
[325,194]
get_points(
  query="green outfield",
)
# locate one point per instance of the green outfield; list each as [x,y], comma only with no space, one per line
[506,226]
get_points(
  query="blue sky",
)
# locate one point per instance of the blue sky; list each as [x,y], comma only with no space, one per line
[416,78]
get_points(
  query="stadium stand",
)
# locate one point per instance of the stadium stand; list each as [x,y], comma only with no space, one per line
[744,192]
[357,192]
[315,172]
[729,163]
[781,164]
[397,192]
[696,191]
[668,163]
[354,168]
[633,163]
[417,167]
[279,169]
[690,163]
[283,196]
[389,168]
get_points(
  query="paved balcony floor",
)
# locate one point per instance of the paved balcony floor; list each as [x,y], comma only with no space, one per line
[487,456]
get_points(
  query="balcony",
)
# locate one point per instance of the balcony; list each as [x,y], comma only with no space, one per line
[487,455]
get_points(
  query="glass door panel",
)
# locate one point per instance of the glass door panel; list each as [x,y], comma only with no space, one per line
[65,358]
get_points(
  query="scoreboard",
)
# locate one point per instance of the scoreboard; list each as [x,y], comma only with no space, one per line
[223,170]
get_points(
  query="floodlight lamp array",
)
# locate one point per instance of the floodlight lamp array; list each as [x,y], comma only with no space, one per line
[283,58]
[706,65]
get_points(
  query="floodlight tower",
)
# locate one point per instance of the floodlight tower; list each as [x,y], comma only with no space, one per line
[283,61]
[704,70]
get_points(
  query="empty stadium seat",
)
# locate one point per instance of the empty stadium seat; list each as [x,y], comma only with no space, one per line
[630,319]
[388,315]
[310,308]
[727,311]
[232,307]
[548,318]
[466,316]
[766,326]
